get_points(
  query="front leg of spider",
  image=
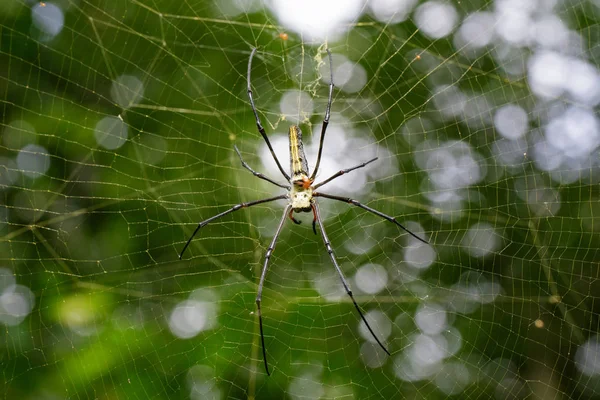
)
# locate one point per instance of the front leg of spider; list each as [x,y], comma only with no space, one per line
[294,220]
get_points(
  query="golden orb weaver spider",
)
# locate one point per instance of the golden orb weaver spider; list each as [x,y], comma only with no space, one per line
[301,198]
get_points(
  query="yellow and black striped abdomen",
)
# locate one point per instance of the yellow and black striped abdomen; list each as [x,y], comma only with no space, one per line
[298,163]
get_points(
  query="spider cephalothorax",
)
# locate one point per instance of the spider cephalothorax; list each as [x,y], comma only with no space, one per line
[301,199]
[301,194]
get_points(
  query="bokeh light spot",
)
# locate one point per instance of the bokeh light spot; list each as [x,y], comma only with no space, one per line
[111,132]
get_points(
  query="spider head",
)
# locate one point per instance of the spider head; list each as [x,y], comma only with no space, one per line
[302,182]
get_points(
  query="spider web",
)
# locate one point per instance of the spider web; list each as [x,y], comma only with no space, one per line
[118,126]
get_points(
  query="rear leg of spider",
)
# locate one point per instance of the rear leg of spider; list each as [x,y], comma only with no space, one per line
[343,279]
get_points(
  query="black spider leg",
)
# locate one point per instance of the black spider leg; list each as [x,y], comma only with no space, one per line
[258,174]
[232,209]
[262,281]
[369,209]
[327,114]
[341,274]
[342,172]
[258,124]
[314,224]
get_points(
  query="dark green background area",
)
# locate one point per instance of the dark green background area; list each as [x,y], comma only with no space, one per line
[101,255]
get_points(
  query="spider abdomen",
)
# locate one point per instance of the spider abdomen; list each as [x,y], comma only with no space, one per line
[298,163]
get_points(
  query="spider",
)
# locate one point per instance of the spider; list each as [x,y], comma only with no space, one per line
[300,196]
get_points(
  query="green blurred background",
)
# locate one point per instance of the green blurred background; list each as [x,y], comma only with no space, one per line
[118,125]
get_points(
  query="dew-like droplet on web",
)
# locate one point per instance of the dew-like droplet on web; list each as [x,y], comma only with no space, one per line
[111,132]
[511,121]
[333,19]
[576,133]
[428,350]
[453,378]
[296,106]
[431,318]
[547,74]
[419,255]
[188,319]
[48,18]
[391,11]
[371,278]
[372,355]
[33,161]
[587,357]
[449,100]
[127,90]
[510,152]
[481,240]
[435,19]
[476,31]
[306,386]
[16,302]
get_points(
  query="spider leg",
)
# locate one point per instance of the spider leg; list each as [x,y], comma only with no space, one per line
[294,220]
[327,114]
[258,174]
[258,124]
[314,210]
[342,172]
[341,274]
[262,281]
[232,209]
[369,209]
